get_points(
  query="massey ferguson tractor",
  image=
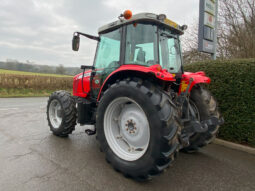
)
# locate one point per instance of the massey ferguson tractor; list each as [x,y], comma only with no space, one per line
[144,107]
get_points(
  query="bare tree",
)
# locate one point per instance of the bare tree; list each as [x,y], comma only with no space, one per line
[236,32]
[190,46]
[236,37]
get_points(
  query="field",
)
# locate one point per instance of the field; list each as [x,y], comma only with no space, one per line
[24,84]
[2,71]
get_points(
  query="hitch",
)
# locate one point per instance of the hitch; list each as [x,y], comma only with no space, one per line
[90,132]
[195,126]
[213,121]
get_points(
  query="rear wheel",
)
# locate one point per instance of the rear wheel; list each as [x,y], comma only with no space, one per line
[137,129]
[204,106]
[61,113]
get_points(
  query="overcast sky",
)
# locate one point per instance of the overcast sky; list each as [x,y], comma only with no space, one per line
[41,30]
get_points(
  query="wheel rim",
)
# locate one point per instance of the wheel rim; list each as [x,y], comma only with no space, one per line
[55,114]
[126,129]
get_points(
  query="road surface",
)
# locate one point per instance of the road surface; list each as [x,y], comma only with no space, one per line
[31,158]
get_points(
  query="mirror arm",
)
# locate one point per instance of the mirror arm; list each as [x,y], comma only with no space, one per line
[88,36]
[84,67]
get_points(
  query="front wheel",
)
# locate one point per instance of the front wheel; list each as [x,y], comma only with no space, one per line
[61,113]
[137,129]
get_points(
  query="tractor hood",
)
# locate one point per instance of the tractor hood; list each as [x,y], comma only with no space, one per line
[81,87]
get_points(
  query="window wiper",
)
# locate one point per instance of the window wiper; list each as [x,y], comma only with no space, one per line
[168,35]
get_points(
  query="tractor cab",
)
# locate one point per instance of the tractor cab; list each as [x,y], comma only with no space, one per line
[144,39]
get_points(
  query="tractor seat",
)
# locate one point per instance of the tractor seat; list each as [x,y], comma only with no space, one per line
[140,56]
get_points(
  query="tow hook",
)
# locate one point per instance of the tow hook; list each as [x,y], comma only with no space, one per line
[213,121]
[90,132]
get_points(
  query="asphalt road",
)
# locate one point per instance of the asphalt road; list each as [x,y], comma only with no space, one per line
[31,158]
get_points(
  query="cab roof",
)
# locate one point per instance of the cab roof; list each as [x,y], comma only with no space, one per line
[142,17]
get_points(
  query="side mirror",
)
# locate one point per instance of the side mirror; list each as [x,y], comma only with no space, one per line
[76,42]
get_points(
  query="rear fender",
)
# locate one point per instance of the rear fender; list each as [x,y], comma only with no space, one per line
[154,70]
[198,78]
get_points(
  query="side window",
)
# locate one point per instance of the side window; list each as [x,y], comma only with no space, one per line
[169,50]
[108,53]
[174,54]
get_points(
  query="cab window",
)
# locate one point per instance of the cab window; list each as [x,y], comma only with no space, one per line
[141,44]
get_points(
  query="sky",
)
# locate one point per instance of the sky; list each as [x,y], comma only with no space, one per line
[40,31]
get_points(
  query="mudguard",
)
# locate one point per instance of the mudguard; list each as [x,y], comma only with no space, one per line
[198,77]
[156,70]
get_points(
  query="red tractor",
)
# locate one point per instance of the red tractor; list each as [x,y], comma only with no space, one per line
[145,108]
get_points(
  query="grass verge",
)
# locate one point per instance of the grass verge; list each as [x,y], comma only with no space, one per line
[21,92]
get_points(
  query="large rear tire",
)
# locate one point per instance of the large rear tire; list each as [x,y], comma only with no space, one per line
[61,113]
[145,120]
[205,106]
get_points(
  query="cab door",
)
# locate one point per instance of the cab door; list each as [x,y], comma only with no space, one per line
[107,59]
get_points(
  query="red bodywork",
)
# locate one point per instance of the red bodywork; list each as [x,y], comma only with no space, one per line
[156,70]
[77,84]
[198,78]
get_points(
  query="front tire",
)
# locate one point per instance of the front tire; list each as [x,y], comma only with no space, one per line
[61,113]
[205,106]
[144,107]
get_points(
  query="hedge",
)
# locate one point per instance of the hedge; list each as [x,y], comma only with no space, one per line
[233,86]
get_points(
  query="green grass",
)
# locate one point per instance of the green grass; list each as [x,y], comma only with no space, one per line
[4,92]
[2,71]
[14,92]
